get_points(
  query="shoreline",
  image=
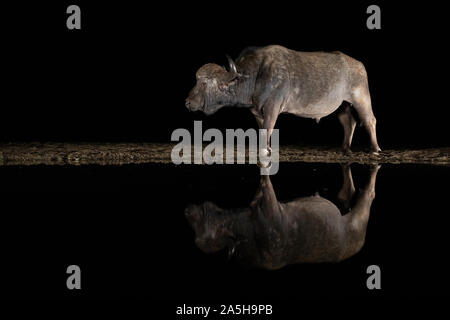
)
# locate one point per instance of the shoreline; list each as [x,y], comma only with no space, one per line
[60,153]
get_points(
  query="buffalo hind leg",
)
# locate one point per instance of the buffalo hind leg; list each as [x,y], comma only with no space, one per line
[362,104]
[360,210]
[356,220]
[348,123]
[347,191]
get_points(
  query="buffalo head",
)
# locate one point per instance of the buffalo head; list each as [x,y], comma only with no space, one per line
[210,225]
[214,88]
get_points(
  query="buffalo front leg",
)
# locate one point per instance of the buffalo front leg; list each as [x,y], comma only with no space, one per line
[260,121]
[348,123]
[270,118]
[258,117]
[266,196]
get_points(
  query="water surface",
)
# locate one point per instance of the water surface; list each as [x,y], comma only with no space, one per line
[133,231]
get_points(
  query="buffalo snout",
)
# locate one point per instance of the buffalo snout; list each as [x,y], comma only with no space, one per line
[194,101]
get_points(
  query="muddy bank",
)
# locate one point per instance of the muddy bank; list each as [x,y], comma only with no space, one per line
[135,153]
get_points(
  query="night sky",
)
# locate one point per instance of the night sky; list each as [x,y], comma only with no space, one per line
[124,76]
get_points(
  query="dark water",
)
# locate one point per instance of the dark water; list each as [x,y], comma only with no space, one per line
[133,232]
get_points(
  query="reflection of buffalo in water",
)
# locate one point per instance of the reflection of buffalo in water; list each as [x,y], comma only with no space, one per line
[271,234]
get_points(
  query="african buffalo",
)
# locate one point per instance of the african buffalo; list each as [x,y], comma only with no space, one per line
[272,80]
[271,234]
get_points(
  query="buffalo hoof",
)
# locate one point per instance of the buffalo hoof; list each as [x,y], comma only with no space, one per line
[376,151]
[264,164]
[346,151]
[375,167]
[265,152]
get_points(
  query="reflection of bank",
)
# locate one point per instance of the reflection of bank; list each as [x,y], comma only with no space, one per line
[271,234]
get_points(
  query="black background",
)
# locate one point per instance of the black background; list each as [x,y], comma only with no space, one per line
[124,76]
